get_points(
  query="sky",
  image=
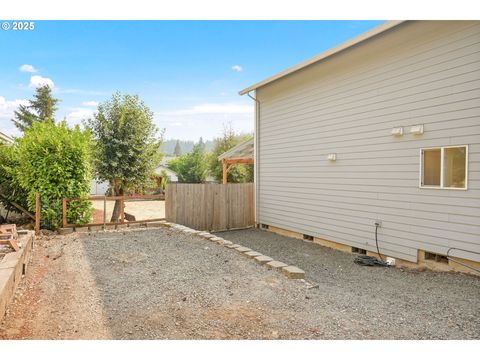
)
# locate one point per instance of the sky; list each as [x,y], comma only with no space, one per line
[187,72]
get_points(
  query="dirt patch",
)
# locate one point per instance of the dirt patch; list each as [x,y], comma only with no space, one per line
[98,216]
[57,298]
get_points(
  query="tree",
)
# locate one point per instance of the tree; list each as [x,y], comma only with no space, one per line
[178,149]
[55,161]
[239,172]
[201,144]
[191,167]
[42,108]
[127,146]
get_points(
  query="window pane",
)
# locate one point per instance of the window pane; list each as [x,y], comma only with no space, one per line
[454,167]
[431,167]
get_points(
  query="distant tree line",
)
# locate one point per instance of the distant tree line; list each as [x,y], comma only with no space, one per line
[178,147]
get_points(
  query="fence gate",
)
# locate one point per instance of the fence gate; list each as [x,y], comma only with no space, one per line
[211,207]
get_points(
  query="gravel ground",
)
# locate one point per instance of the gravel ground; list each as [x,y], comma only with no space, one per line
[162,284]
[385,303]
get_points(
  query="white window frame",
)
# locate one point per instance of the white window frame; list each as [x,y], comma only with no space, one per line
[442,175]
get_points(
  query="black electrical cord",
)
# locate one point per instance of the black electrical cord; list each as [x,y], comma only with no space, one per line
[365,260]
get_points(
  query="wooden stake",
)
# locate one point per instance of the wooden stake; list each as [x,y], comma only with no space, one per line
[37,213]
[122,210]
[225,171]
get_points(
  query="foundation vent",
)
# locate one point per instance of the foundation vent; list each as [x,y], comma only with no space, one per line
[436,257]
[307,237]
[264,226]
[359,251]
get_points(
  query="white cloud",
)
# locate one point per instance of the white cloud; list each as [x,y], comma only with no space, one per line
[37,81]
[206,120]
[227,108]
[27,68]
[78,114]
[237,68]
[7,107]
[90,103]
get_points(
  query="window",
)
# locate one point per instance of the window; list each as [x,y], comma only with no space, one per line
[444,167]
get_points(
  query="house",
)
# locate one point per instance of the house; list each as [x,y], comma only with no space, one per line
[99,187]
[379,133]
[5,139]
[171,175]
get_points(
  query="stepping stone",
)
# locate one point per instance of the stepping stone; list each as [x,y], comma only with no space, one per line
[252,254]
[110,227]
[226,242]
[203,233]
[243,249]
[293,272]
[277,265]
[263,259]
[209,236]
[96,228]
[233,246]
[216,239]
[82,229]
[120,226]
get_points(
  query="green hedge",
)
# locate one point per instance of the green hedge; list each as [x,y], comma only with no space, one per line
[55,161]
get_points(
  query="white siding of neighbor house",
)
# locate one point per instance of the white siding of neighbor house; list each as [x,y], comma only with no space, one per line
[417,73]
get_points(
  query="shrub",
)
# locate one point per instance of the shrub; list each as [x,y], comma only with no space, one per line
[10,189]
[191,167]
[55,161]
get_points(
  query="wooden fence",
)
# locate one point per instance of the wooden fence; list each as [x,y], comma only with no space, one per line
[122,213]
[211,207]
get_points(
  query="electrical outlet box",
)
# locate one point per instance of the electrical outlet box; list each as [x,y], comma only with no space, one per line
[378,223]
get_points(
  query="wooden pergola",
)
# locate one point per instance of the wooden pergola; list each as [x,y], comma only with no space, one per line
[240,154]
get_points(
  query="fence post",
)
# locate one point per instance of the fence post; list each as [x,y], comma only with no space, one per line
[64,212]
[122,209]
[104,211]
[225,171]
[37,213]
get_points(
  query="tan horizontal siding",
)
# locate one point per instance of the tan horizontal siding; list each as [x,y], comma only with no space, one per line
[420,73]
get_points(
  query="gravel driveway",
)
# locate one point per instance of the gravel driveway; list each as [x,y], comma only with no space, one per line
[163,284]
[374,302]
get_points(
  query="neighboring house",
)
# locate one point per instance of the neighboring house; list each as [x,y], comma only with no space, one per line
[99,187]
[171,175]
[5,139]
[385,127]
